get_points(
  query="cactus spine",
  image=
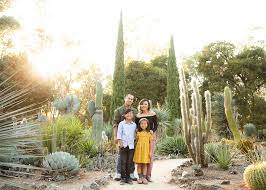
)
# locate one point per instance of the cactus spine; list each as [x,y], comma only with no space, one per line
[96,112]
[196,130]
[255,176]
[229,113]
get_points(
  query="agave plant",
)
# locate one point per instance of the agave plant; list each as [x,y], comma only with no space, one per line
[18,136]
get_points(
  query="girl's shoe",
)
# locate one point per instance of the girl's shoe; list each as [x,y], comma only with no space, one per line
[149,179]
[145,181]
[139,181]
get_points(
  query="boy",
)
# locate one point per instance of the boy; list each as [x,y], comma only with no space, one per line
[126,137]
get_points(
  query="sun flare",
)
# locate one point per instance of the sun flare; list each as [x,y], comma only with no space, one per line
[92,28]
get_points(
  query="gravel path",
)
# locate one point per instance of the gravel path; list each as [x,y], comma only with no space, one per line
[161,175]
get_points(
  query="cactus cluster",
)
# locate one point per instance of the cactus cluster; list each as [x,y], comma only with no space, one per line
[96,113]
[230,114]
[196,128]
[255,176]
[61,164]
[68,104]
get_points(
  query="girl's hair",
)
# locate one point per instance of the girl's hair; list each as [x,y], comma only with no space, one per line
[148,127]
[142,101]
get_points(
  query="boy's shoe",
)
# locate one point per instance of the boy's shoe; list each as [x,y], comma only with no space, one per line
[129,181]
[117,177]
[149,178]
[145,181]
[139,181]
[132,177]
[123,181]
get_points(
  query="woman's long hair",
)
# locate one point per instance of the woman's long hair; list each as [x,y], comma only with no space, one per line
[141,102]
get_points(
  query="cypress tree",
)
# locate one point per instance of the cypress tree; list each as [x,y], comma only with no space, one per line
[119,71]
[172,98]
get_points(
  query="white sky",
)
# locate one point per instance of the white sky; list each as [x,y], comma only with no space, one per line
[148,25]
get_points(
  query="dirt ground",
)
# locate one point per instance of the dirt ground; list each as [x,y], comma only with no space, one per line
[84,178]
[161,176]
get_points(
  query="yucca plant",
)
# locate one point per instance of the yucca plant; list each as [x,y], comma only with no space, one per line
[173,146]
[88,148]
[18,138]
[210,150]
[224,155]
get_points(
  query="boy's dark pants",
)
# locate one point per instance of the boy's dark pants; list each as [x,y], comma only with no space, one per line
[126,161]
[118,164]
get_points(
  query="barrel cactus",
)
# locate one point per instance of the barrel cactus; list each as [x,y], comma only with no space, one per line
[61,164]
[96,113]
[255,176]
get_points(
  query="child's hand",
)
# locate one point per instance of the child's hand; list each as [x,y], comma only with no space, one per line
[150,155]
[115,140]
[151,131]
[120,143]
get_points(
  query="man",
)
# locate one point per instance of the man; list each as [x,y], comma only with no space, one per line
[118,117]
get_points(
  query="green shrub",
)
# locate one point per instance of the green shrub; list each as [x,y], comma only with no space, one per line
[73,131]
[249,130]
[223,156]
[88,148]
[170,131]
[255,176]
[172,145]
[211,150]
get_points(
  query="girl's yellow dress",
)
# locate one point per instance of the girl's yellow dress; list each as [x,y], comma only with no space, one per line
[142,150]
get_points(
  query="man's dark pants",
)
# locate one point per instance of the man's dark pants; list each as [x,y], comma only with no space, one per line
[118,165]
[126,156]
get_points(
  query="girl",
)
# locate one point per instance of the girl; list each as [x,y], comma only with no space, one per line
[143,153]
[146,112]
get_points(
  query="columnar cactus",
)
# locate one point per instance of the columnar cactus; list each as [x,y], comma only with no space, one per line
[196,128]
[255,176]
[230,114]
[96,113]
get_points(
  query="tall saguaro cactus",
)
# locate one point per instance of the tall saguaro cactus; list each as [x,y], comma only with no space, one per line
[230,114]
[96,112]
[196,127]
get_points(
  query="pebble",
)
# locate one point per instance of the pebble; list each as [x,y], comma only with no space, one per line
[225,182]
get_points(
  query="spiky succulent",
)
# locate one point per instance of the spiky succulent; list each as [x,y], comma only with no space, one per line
[255,176]
[172,145]
[61,164]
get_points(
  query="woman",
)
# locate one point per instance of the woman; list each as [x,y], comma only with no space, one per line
[146,112]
